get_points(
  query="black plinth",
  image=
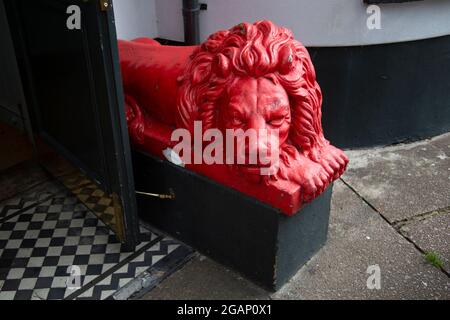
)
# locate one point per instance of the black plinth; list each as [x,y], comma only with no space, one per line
[228,226]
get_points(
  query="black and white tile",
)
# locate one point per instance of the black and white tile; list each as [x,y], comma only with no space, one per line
[96,200]
[144,262]
[30,198]
[41,245]
[20,178]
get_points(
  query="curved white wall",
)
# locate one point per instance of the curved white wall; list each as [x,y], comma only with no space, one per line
[315,22]
[135,18]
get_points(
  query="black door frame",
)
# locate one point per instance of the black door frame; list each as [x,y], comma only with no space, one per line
[106,67]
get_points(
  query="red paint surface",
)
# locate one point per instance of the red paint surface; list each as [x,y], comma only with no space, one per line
[251,76]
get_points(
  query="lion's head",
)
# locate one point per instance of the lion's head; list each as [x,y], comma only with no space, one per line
[254,76]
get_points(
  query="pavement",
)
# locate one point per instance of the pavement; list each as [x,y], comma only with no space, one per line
[389,210]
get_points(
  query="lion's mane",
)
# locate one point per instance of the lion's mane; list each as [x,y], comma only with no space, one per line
[256,50]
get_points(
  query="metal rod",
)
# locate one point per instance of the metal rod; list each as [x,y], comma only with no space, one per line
[156,195]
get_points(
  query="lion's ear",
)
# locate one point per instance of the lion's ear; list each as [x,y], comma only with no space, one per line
[222,65]
[286,60]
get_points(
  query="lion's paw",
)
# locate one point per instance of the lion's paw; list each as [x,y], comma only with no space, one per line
[312,178]
[334,161]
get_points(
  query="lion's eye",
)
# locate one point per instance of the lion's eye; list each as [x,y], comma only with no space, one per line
[237,121]
[276,122]
[236,118]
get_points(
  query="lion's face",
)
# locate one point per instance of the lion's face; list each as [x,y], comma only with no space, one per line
[258,104]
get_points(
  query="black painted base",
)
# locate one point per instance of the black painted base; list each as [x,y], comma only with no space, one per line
[230,227]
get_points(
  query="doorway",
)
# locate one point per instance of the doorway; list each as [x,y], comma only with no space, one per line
[71,231]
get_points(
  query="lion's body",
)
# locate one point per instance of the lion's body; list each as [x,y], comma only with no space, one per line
[243,78]
[149,75]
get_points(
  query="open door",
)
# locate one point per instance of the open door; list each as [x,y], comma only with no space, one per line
[67,53]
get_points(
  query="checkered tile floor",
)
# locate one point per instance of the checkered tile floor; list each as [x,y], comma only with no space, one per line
[29,199]
[20,178]
[48,237]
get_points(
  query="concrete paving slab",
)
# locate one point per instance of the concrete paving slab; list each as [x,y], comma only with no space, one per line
[204,279]
[402,181]
[358,239]
[431,233]
[442,142]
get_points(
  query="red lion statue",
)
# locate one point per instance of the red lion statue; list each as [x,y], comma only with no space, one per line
[253,76]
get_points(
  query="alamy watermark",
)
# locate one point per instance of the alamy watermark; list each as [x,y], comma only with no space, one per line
[374,279]
[258,148]
[73,22]
[73,281]
[374,19]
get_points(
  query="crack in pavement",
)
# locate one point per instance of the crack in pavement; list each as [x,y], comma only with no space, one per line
[399,224]
[393,225]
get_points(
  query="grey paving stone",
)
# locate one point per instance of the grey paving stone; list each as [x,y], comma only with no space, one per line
[402,181]
[432,234]
[359,238]
[204,279]
[443,143]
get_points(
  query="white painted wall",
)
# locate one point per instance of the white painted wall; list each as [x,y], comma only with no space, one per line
[315,22]
[135,18]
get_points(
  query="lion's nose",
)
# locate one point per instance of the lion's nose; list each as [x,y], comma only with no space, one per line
[257,123]
[259,150]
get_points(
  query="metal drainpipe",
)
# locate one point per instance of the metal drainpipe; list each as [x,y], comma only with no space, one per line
[191,10]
